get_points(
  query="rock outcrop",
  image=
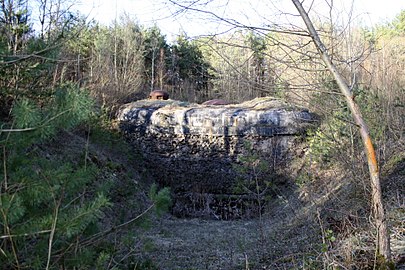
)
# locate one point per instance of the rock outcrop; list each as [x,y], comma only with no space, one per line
[194,148]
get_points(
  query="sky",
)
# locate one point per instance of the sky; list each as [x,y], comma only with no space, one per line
[253,12]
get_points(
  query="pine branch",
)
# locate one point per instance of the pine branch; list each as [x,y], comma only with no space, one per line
[34,128]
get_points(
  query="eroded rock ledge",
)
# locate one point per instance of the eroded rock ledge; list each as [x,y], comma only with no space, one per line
[193,148]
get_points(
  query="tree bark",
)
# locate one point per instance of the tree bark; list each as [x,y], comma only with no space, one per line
[383,243]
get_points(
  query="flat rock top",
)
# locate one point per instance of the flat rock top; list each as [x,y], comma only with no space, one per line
[255,104]
[261,116]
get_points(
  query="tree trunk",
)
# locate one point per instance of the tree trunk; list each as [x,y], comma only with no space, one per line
[383,243]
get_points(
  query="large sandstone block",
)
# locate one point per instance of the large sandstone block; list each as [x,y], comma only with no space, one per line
[259,117]
[194,148]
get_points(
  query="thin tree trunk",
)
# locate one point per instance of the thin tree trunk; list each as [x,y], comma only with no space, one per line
[161,67]
[152,79]
[383,243]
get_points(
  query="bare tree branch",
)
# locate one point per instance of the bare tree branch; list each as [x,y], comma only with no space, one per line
[383,243]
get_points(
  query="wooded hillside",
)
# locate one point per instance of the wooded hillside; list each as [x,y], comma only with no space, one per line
[62,82]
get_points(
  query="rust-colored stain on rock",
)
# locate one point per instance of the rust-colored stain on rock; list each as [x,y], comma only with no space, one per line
[159,95]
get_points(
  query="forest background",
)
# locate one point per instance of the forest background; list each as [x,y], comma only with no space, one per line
[73,74]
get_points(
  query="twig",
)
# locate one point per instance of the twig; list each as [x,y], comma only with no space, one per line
[8,231]
[34,128]
[324,242]
[246,262]
[86,156]
[18,129]
[24,234]
[104,233]
[52,234]
[4,169]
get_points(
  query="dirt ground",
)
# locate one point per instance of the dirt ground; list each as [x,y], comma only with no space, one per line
[291,234]
[275,241]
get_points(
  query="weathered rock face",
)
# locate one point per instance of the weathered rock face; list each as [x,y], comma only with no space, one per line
[193,148]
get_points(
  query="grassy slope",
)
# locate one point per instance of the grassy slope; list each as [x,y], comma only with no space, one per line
[307,225]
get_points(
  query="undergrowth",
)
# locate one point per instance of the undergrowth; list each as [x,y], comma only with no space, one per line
[57,186]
